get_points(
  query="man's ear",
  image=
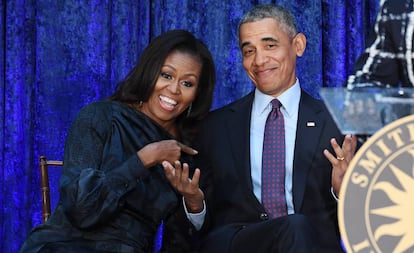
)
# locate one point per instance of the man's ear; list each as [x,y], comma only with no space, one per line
[299,41]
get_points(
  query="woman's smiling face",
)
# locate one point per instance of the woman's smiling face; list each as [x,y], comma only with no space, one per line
[175,89]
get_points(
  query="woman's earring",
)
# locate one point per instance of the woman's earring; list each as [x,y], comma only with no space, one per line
[140,104]
[189,109]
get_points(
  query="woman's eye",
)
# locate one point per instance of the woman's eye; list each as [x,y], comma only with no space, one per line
[187,83]
[166,76]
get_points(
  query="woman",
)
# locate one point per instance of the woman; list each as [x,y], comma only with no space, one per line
[114,193]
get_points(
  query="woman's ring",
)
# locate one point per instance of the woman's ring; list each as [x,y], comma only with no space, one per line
[340,158]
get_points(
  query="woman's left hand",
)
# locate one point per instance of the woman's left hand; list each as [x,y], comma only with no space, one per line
[178,175]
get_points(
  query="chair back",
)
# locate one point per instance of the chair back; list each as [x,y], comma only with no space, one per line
[45,186]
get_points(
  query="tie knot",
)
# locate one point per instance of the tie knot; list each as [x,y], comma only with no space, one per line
[276,104]
[275,112]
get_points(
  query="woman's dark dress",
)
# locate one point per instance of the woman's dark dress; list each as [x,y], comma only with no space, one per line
[108,201]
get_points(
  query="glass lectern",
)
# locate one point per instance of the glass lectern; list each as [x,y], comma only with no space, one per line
[363,111]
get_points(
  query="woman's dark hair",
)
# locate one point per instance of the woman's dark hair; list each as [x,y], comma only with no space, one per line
[140,82]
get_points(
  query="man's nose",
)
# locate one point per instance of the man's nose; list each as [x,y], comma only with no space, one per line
[260,57]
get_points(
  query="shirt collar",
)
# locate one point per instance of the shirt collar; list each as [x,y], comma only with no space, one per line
[289,99]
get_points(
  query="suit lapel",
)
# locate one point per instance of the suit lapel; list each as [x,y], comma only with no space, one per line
[238,125]
[310,124]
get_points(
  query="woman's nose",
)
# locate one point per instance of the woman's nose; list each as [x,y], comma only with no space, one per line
[174,87]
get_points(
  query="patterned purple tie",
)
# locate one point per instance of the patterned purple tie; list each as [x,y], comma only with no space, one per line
[273,163]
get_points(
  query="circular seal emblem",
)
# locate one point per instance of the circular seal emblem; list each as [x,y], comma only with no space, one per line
[376,202]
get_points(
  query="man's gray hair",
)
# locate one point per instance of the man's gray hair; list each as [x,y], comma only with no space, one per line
[281,15]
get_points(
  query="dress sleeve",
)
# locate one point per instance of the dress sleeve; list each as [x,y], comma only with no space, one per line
[89,193]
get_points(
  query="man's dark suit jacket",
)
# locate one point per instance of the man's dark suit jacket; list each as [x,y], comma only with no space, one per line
[224,160]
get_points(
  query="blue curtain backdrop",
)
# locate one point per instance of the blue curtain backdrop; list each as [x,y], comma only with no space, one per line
[58,55]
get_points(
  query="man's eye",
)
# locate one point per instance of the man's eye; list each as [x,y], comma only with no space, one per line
[187,83]
[248,51]
[166,76]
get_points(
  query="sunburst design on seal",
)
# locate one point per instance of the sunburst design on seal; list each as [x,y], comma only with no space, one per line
[401,211]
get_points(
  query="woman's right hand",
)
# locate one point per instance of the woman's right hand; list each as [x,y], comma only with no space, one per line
[166,150]
[179,176]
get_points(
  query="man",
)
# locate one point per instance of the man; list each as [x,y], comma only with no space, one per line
[231,150]
[387,60]
[234,216]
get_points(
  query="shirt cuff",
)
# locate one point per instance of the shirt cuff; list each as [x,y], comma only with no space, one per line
[197,219]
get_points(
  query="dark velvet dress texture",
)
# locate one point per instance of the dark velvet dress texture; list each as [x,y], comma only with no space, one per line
[109,201]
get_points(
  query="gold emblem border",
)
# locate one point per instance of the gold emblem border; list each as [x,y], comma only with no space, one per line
[346,181]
